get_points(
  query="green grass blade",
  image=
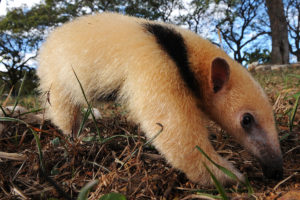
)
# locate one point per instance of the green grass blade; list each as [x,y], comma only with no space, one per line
[39,146]
[85,190]
[3,111]
[2,90]
[113,196]
[293,113]
[149,141]
[19,92]
[84,119]
[218,185]
[226,171]
[88,104]
[296,95]
[116,136]
[38,143]
[294,75]
[11,119]
[31,111]
[249,187]
[156,135]
[284,137]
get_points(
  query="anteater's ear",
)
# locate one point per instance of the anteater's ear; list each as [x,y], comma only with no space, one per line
[219,74]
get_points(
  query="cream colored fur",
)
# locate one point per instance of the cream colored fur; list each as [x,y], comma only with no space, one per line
[109,51]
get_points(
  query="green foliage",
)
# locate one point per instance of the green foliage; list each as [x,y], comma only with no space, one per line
[196,13]
[13,50]
[258,55]
[39,17]
[16,41]
[245,15]
[153,9]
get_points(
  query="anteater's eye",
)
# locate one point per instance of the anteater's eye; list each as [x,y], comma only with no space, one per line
[247,121]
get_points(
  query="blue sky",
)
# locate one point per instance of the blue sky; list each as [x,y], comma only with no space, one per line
[7,4]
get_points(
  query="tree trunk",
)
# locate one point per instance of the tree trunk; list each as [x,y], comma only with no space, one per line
[279,32]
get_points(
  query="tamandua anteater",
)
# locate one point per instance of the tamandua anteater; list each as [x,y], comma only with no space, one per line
[163,74]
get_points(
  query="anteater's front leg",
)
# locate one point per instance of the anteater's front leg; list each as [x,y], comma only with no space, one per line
[183,129]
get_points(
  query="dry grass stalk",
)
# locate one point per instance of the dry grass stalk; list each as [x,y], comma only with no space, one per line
[12,156]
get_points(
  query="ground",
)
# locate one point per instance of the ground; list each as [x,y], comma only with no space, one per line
[119,157]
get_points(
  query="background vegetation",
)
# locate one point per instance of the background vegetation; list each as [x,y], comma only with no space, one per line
[37,162]
[244,26]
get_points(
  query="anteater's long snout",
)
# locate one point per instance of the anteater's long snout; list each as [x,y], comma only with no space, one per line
[266,148]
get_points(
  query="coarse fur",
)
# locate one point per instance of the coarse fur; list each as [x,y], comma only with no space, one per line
[177,85]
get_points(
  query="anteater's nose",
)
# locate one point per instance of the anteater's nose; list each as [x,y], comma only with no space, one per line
[273,173]
[273,169]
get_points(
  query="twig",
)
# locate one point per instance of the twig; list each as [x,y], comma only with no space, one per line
[292,149]
[18,172]
[53,183]
[284,180]
[19,193]
[8,96]
[152,156]
[100,166]
[12,156]
[149,141]
[276,102]
[197,196]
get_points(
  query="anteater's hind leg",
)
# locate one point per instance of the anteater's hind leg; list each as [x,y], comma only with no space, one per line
[63,112]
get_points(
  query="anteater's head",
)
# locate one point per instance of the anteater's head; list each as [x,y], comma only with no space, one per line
[240,106]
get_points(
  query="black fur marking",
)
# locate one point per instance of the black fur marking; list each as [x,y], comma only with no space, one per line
[112,96]
[173,43]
